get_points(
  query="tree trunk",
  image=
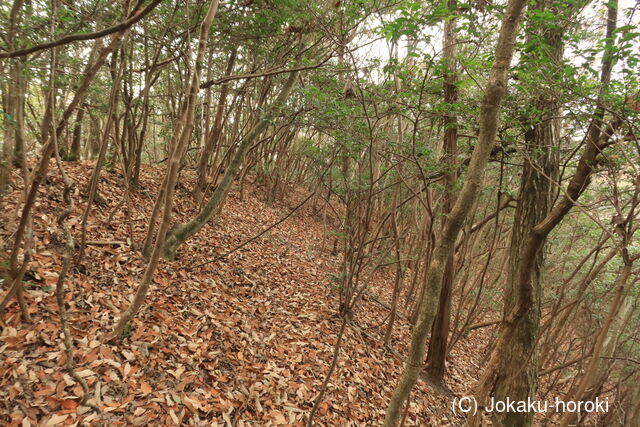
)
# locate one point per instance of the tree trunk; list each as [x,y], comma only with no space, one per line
[504,375]
[437,353]
[445,244]
[181,232]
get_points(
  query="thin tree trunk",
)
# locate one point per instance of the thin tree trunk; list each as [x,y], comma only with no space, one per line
[397,286]
[182,232]
[437,353]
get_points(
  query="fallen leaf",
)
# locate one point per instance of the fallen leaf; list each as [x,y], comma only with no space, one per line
[69,404]
[56,419]
[145,387]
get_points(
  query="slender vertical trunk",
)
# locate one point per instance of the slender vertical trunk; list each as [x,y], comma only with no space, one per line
[149,80]
[213,135]
[437,353]
[19,148]
[14,104]
[397,286]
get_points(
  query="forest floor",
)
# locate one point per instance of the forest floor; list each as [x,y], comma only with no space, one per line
[242,340]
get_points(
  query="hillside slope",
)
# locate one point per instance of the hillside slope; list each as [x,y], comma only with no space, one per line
[241,340]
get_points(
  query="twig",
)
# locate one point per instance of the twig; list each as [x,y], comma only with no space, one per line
[280,221]
[334,362]
[68,251]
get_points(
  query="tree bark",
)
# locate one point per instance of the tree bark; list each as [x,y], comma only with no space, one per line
[515,377]
[437,353]
[445,244]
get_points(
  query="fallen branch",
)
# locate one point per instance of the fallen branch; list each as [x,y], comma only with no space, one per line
[106,243]
[483,325]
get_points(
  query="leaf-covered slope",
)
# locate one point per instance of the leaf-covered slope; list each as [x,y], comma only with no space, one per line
[242,340]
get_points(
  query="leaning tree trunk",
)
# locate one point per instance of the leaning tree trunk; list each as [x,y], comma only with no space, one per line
[445,244]
[181,232]
[179,142]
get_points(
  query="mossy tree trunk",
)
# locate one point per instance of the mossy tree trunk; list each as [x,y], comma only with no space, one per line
[445,243]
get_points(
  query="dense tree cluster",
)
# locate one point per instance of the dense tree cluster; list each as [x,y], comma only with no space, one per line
[483,154]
